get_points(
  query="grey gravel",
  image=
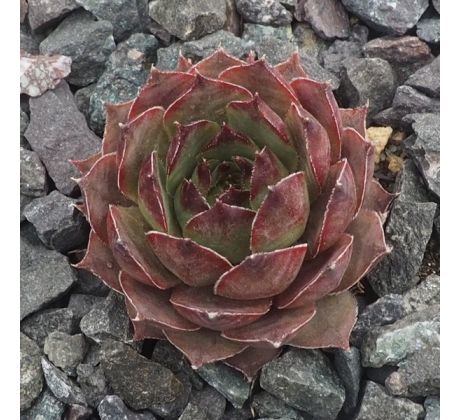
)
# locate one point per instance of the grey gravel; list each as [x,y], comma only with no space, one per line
[31,372]
[410,184]
[207,404]
[431,405]
[436,4]
[266,405]
[47,407]
[45,13]
[429,30]
[112,407]
[316,72]
[82,98]
[65,351]
[309,43]
[266,12]
[348,366]
[93,383]
[32,172]
[29,41]
[427,79]
[333,58]
[81,304]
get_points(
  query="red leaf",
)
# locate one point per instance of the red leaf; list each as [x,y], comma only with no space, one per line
[183,64]
[291,68]
[216,63]
[235,197]
[377,198]
[188,202]
[355,118]
[85,165]
[142,328]
[116,116]
[251,360]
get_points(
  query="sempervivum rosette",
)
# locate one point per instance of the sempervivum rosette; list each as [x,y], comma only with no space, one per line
[233,205]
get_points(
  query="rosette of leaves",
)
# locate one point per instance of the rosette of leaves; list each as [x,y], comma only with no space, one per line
[233,204]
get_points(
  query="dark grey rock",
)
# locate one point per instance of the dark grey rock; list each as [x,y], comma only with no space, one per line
[31,378]
[63,388]
[108,320]
[87,41]
[427,79]
[431,405]
[377,404]
[39,325]
[92,383]
[316,72]
[327,17]
[237,414]
[47,407]
[112,407]
[137,380]
[65,351]
[429,30]
[368,79]
[305,379]
[189,19]
[410,100]
[24,201]
[348,366]
[82,98]
[59,225]
[207,404]
[410,185]
[334,57]
[44,13]
[309,43]
[29,41]
[391,344]
[126,71]
[436,4]
[266,405]
[79,412]
[82,304]
[230,383]
[24,119]
[89,284]
[58,132]
[267,12]
[122,14]
[380,375]
[425,294]
[393,18]
[33,174]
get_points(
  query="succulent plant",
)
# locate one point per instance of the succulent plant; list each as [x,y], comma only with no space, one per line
[233,204]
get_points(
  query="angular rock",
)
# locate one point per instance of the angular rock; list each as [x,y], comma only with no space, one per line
[108,320]
[309,43]
[88,284]
[267,12]
[230,383]
[31,377]
[412,101]
[368,79]
[113,407]
[24,119]
[33,174]
[334,57]
[207,404]
[126,71]
[237,414]
[429,30]
[348,366]
[436,4]
[87,41]
[92,383]
[427,79]
[29,41]
[137,380]
[393,18]
[410,185]
[82,98]
[305,379]
[425,294]
[266,405]
[44,13]
[58,132]
[79,412]
[377,404]
[63,388]
[431,404]
[65,351]
[24,200]
[82,304]
[188,19]
[47,407]
[316,72]
[59,225]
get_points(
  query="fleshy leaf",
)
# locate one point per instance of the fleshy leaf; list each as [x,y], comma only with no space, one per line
[334,209]
[201,177]
[245,167]
[318,99]
[183,64]
[99,260]
[331,326]
[319,276]
[116,115]
[268,170]
[235,197]
[194,264]
[184,149]
[140,138]
[355,118]
[203,308]
[162,89]
[377,198]
[262,275]
[188,202]
[283,215]
[360,155]
[216,63]
[206,99]
[259,77]
[368,247]
[274,329]
[142,328]
[152,305]
[203,346]
[130,248]
[226,229]
[84,165]
[255,119]
[291,68]
[251,360]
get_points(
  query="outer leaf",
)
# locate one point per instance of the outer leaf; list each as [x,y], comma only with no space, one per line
[318,277]
[226,229]
[204,346]
[283,215]
[188,202]
[204,308]
[216,63]
[131,250]
[84,165]
[140,138]
[355,118]
[331,326]
[334,209]
[318,99]
[377,198]
[183,64]
[291,68]
[142,329]
[262,275]
[194,264]
[116,116]
[368,247]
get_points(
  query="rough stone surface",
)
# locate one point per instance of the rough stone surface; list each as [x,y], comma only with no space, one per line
[368,79]
[89,284]
[63,388]
[207,404]
[82,98]
[112,407]
[43,13]
[316,72]
[431,405]
[88,42]
[425,294]
[266,405]
[427,79]
[65,351]
[79,412]
[377,404]
[348,366]
[334,57]
[266,12]
[227,381]
[436,4]
[137,380]
[47,407]
[429,30]
[31,372]
[189,19]
[410,185]
[308,42]
[92,383]
[59,225]
[237,414]
[33,174]
[410,100]
[126,71]
[305,379]
[29,41]
[82,304]
[58,132]
[394,18]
